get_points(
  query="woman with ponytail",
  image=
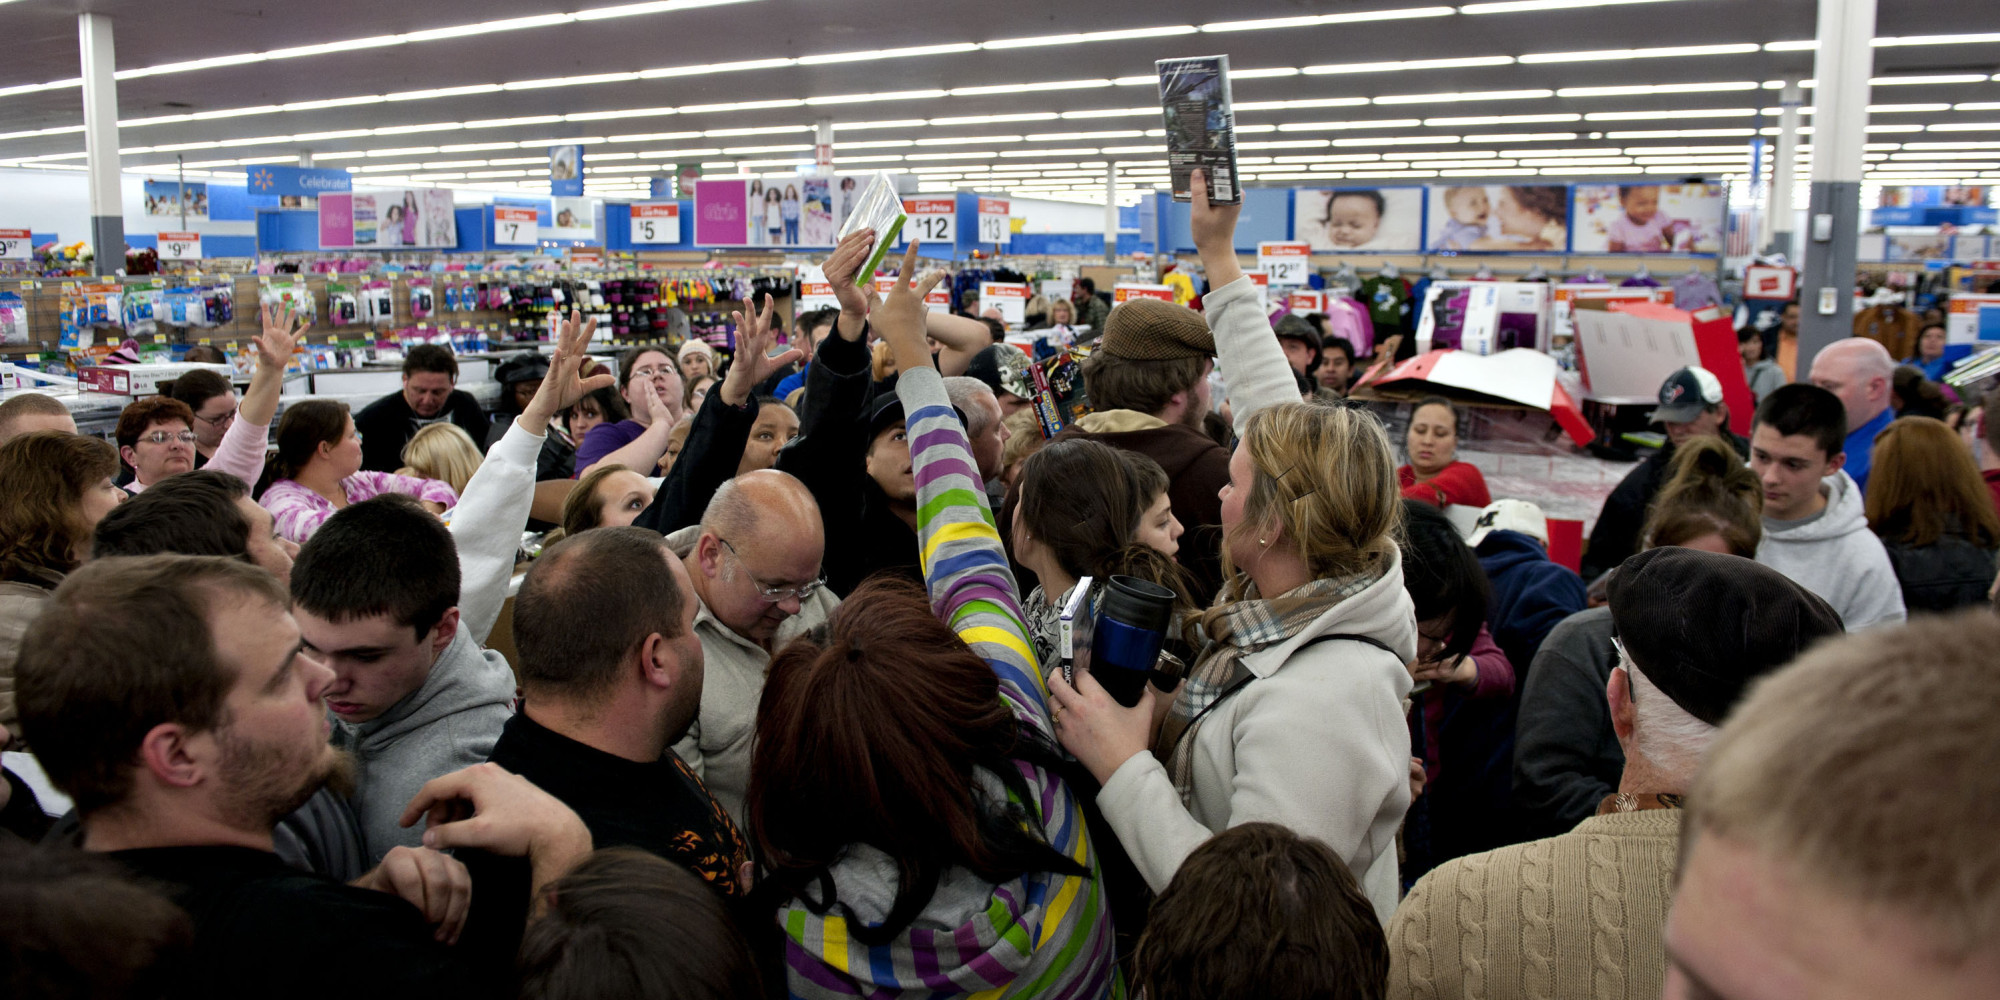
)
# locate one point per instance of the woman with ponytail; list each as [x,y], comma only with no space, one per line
[318,470]
[1566,757]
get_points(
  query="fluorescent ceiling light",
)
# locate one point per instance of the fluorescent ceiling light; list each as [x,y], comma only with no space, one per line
[1026,88]
[1413,64]
[1523,137]
[859,126]
[1602,55]
[1529,6]
[425,95]
[1482,95]
[1263,74]
[1893,41]
[1803,45]
[1033,116]
[655,137]
[758,130]
[1115,112]
[1889,109]
[1660,88]
[874,54]
[1343,126]
[1692,133]
[695,109]
[707,68]
[1090,36]
[598,116]
[1908,81]
[1262,24]
[1285,144]
[967,140]
[1967,127]
[1500,120]
[1400,140]
[1080,136]
[1635,116]
[1981,106]
[508,122]
[893,95]
[1313,102]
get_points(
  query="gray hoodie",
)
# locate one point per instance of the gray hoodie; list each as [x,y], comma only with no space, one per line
[453,720]
[1835,556]
[450,723]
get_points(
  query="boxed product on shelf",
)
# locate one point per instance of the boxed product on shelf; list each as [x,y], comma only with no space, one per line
[139,380]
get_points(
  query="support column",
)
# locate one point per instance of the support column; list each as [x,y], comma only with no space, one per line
[1111,212]
[306,159]
[1843,63]
[100,141]
[1783,180]
[823,148]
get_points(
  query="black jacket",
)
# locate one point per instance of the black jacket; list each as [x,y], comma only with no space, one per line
[1623,519]
[1951,573]
[709,458]
[387,424]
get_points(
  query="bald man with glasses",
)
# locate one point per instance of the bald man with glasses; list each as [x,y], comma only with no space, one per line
[755,562]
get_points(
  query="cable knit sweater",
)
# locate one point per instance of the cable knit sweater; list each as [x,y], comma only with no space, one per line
[1576,916]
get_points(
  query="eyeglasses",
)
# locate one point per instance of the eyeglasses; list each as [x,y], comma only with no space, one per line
[164,437]
[651,370]
[218,421]
[774,595]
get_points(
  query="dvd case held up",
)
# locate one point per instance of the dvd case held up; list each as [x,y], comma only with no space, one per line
[1201,127]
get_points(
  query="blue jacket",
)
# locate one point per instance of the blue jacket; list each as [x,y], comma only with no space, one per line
[1531,595]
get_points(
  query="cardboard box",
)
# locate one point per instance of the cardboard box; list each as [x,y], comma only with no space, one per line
[1520,377]
[139,380]
[1624,350]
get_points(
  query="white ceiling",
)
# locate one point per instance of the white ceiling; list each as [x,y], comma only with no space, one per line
[1486,89]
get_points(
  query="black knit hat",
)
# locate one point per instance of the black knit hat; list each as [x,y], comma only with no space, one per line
[526,366]
[1703,626]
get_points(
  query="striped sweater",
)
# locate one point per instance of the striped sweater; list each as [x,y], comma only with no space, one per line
[1040,935]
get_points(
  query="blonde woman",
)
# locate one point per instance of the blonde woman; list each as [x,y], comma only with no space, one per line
[441,451]
[1293,710]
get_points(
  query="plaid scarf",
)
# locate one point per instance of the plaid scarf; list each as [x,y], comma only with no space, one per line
[1236,627]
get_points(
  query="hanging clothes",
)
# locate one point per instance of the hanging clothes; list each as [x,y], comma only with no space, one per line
[1890,325]
[1388,302]
[1696,290]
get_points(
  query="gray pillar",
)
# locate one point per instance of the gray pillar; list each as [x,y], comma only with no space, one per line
[1826,274]
[306,158]
[1779,208]
[1111,212]
[100,141]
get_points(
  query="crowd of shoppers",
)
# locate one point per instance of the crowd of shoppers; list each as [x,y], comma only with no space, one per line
[802,697]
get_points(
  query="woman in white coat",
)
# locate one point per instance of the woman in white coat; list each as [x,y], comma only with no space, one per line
[1293,711]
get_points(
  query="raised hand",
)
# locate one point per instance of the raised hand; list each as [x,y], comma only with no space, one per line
[753,364]
[564,386]
[901,318]
[843,270]
[1214,231]
[283,329]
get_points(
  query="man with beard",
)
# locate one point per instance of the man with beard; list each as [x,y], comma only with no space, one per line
[171,698]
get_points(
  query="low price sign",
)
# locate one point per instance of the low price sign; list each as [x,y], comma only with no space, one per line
[513,225]
[1008,297]
[16,244]
[938,301]
[1126,293]
[932,220]
[1286,263]
[656,223]
[815,292]
[180,246]
[995,221]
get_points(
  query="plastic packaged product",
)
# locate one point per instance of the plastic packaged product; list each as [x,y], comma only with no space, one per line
[880,208]
[422,302]
[13,319]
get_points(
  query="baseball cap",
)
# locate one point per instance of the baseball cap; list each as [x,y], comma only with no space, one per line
[1703,626]
[1685,394]
[1510,515]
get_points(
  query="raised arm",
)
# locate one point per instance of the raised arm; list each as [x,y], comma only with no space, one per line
[962,337]
[493,512]
[965,568]
[1246,346]
[643,452]
[721,428]
[241,453]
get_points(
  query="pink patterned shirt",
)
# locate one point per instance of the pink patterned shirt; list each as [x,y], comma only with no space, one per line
[299,511]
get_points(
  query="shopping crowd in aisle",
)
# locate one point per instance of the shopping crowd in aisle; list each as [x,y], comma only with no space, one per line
[784,703]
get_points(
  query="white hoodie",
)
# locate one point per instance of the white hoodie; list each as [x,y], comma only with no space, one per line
[1835,556]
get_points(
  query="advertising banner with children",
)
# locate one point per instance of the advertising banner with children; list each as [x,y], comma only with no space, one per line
[1648,218]
[772,211]
[1498,218]
[1343,219]
[387,219]
[172,200]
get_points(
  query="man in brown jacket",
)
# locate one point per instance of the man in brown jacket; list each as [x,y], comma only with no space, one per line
[1148,387]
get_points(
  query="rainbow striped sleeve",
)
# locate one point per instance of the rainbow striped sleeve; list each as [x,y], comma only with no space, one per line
[965,567]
